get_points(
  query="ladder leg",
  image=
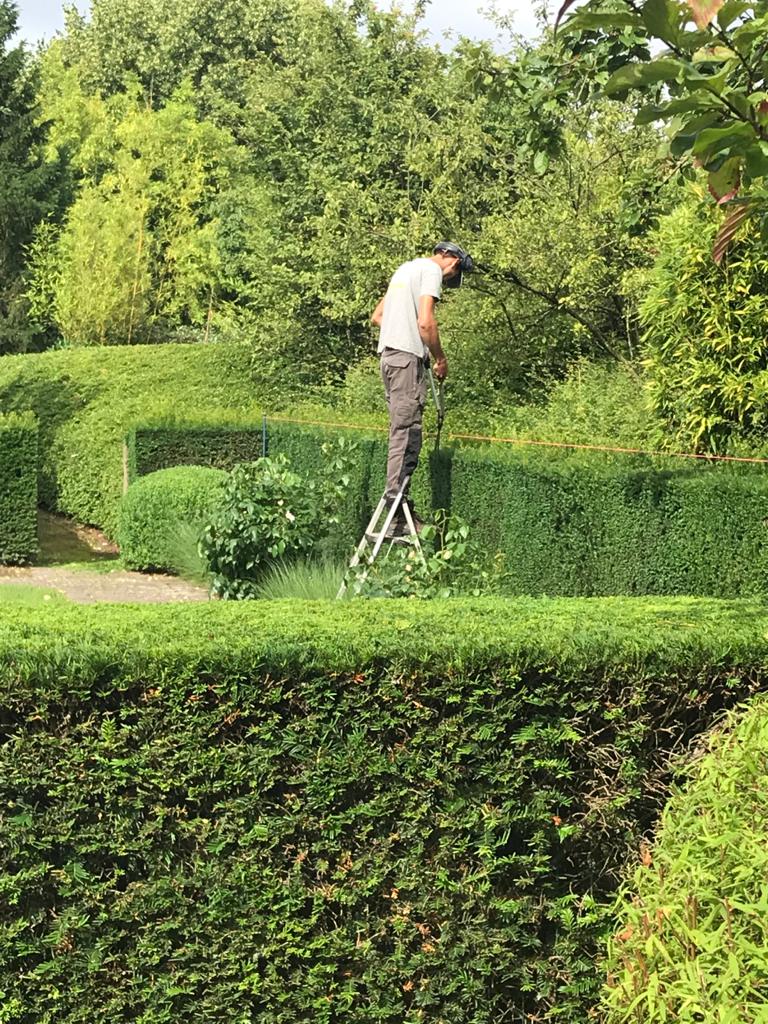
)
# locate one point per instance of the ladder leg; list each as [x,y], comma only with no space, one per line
[414,533]
[396,504]
[380,535]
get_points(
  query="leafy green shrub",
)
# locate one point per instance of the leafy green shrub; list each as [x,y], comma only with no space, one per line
[18,488]
[266,513]
[451,563]
[85,401]
[269,513]
[156,507]
[705,332]
[366,811]
[695,929]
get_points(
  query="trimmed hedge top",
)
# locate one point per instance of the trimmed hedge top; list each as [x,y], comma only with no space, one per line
[339,813]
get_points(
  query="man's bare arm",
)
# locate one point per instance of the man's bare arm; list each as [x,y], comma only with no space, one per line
[377,314]
[430,334]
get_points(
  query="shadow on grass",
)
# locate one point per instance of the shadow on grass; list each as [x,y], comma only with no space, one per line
[63,541]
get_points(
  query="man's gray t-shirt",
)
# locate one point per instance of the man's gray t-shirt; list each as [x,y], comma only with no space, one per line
[400,320]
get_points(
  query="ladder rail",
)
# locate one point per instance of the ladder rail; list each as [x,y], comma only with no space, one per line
[378,537]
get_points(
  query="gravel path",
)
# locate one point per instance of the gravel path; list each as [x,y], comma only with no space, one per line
[120,586]
[63,541]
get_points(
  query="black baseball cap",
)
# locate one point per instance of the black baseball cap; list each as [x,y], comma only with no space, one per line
[466,266]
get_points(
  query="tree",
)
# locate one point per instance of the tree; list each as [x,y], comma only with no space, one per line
[28,188]
[706,80]
[138,255]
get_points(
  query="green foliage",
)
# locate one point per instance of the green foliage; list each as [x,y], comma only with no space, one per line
[137,257]
[268,165]
[310,579]
[705,327]
[87,400]
[18,488]
[159,507]
[556,260]
[694,925]
[339,812]
[713,97]
[183,551]
[268,513]
[29,189]
[595,404]
[451,563]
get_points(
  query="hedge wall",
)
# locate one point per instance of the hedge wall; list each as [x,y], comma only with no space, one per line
[219,445]
[156,506]
[86,399]
[18,488]
[568,524]
[339,813]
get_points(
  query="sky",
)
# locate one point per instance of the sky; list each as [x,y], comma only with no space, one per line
[41,19]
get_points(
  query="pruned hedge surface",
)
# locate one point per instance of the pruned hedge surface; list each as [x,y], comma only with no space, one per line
[382,811]
[221,447]
[86,399]
[18,488]
[567,524]
[156,505]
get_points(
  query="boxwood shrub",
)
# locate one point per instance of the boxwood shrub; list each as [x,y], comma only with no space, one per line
[18,488]
[567,523]
[381,811]
[694,917]
[156,505]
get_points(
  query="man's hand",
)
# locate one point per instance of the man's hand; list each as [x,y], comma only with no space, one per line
[441,368]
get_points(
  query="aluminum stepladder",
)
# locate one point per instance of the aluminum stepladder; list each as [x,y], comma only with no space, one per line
[375,535]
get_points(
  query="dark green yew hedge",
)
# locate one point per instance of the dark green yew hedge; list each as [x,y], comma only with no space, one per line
[18,488]
[381,811]
[567,523]
[220,446]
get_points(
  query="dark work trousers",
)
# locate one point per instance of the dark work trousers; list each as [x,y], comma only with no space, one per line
[405,385]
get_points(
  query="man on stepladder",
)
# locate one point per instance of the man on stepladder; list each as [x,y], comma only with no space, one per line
[409,336]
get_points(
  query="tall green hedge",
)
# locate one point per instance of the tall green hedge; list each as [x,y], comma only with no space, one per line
[567,523]
[383,811]
[18,488]
[86,399]
[156,506]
